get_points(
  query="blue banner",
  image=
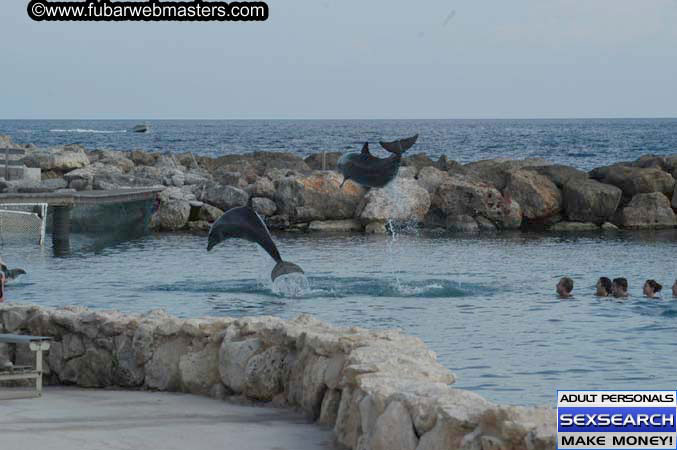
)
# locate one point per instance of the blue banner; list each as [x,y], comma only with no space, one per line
[616,419]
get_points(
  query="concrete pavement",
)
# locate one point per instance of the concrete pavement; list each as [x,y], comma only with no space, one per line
[83,419]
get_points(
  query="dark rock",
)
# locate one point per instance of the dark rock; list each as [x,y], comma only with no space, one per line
[463,195]
[559,174]
[279,222]
[418,160]
[495,171]
[647,211]
[319,192]
[588,200]
[430,178]
[264,206]
[262,187]
[462,223]
[536,194]
[634,180]
[141,158]
[224,197]
[227,178]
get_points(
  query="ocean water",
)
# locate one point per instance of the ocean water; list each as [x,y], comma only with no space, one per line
[485,304]
[583,143]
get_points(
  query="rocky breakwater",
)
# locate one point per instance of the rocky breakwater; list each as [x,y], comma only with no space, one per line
[295,194]
[379,390]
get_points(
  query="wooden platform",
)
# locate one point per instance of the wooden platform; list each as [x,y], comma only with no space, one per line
[84,197]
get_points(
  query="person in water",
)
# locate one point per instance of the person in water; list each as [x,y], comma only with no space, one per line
[603,287]
[619,287]
[674,289]
[564,287]
[651,288]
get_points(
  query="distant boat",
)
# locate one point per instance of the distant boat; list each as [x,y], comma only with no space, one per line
[141,128]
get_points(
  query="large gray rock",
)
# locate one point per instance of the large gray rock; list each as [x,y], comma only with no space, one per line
[317,197]
[559,174]
[129,371]
[264,206]
[162,371]
[119,160]
[60,159]
[199,370]
[402,200]
[6,142]
[174,210]
[256,164]
[394,430]
[80,179]
[262,187]
[495,171]
[464,195]
[634,180]
[92,369]
[263,374]
[233,359]
[647,211]
[209,213]
[590,201]
[141,158]
[431,178]
[417,161]
[224,197]
[536,194]
[108,178]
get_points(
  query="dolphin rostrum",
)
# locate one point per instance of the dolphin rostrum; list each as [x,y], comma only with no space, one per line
[371,171]
[243,223]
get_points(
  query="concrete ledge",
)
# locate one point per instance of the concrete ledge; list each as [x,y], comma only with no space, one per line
[66,418]
[379,390]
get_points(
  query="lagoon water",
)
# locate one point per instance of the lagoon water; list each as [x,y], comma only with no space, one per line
[485,304]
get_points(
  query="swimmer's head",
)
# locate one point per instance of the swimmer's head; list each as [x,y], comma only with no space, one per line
[603,287]
[651,288]
[674,289]
[619,287]
[564,287]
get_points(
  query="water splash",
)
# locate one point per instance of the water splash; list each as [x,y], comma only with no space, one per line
[293,285]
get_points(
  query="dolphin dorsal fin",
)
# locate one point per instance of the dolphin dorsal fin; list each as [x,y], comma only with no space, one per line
[365,149]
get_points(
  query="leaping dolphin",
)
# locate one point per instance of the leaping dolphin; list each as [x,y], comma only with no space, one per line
[243,223]
[11,274]
[371,171]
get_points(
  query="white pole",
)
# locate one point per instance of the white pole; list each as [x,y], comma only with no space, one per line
[43,228]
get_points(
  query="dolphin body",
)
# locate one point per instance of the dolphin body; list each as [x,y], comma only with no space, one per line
[371,171]
[242,222]
[11,274]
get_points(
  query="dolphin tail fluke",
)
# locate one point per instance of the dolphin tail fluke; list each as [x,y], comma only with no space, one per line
[283,268]
[400,146]
[13,273]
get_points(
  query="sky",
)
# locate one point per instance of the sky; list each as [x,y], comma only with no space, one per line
[323,59]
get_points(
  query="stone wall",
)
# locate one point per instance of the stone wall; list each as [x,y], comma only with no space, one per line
[379,390]
[293,194]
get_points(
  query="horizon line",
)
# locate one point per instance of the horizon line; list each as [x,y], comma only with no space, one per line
[356,118]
